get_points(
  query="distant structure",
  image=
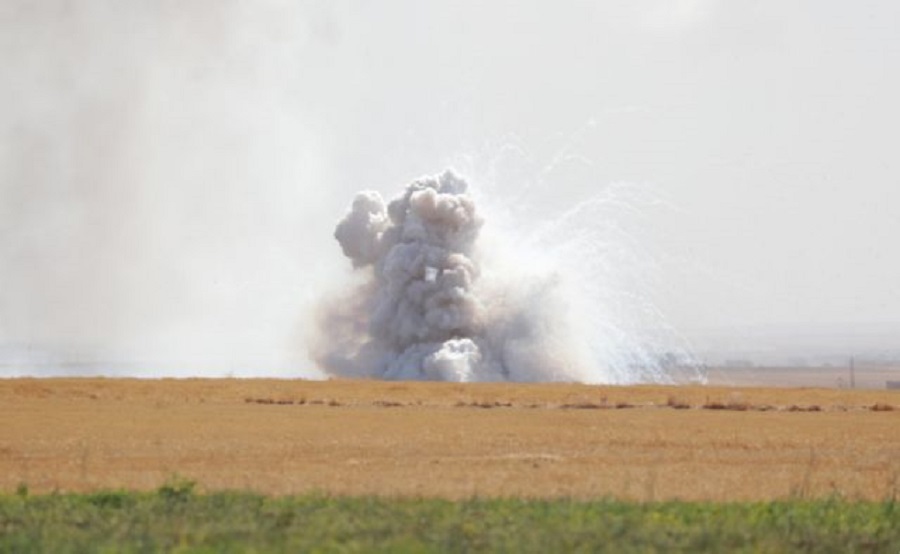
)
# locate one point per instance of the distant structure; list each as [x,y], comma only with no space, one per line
[892,384]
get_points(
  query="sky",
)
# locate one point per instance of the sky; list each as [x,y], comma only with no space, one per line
[172,171]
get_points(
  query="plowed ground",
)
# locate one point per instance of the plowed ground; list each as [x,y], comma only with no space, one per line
[449,440]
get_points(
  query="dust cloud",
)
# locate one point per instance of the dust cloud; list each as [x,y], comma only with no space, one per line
[436,303]
[170,174]
[153,187]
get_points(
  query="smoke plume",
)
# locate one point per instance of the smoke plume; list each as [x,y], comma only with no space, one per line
[431,305]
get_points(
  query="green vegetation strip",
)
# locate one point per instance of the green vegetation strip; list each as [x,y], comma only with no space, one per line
[174,518]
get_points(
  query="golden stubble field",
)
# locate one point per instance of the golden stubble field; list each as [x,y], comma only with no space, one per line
[449,440]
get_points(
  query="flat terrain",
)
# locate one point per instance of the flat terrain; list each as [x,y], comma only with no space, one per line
[450,440]
[865,376]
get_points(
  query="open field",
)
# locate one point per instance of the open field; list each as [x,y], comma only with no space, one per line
[449,440]
[865,376]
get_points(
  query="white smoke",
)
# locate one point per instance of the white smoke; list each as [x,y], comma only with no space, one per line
[434,304]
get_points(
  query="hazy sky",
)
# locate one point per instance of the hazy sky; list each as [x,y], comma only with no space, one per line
[171,171]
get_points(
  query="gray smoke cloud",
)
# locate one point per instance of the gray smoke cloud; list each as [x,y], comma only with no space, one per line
[425,309]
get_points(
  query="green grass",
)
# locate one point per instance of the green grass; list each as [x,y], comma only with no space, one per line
[175,518]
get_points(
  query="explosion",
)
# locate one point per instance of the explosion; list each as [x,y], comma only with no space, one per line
[425,311]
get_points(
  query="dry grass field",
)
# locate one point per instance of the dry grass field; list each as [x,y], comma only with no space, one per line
[450,440]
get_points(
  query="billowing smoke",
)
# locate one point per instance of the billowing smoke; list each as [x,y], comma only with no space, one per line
[430,305]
